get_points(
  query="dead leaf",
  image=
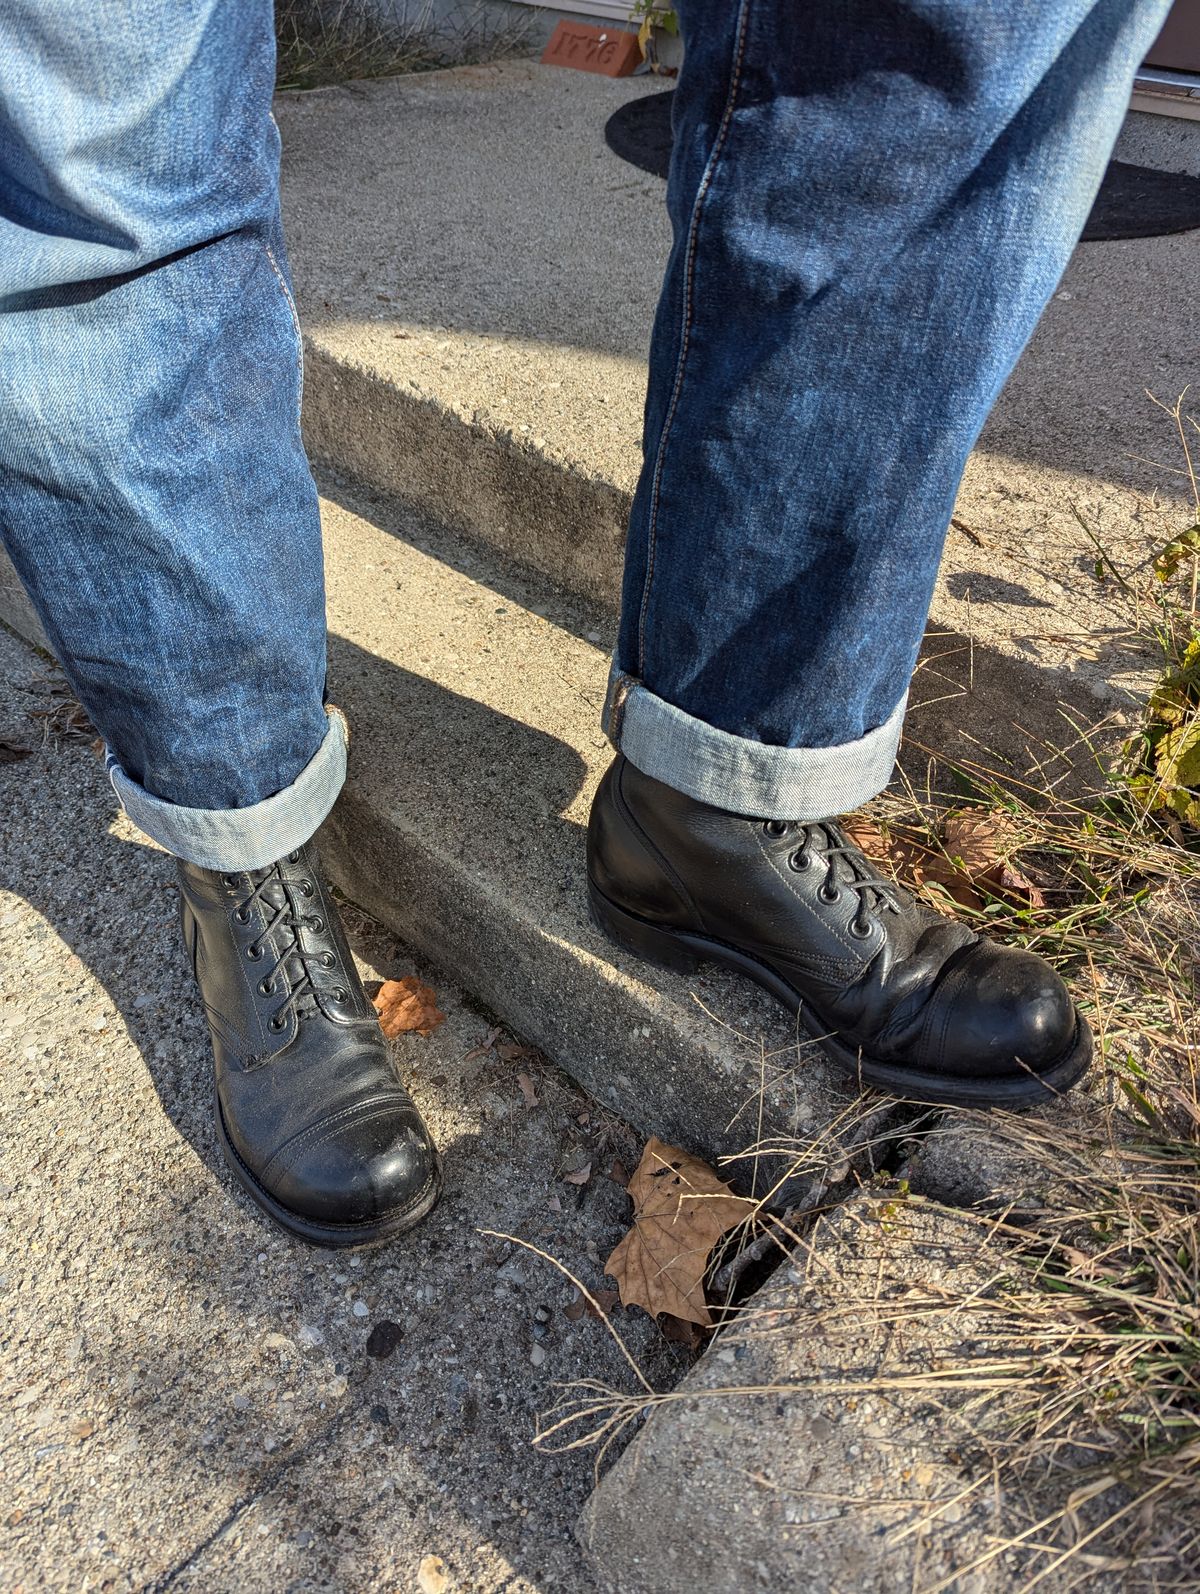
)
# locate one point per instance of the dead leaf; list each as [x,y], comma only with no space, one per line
[527,1090]
[510,1052]
[554,1204]
[13,752]
[983,841]
[432,1577]
[484,1046]
[972,862]
[407,1005]
[578,1175]
[679,1332]
[605,1301]
[680,1210]
[619,1173]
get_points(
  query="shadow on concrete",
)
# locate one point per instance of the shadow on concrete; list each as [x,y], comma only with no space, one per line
[456,1447]
[970,702]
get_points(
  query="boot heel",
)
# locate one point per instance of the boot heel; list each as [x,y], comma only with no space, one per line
[656,946]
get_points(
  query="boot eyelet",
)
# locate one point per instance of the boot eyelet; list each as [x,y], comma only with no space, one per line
[776,827]
[277,1024]
[230,879]
[858,929]
[800,861]
[254,953]
[242,915]
[327,960]
[829,893]
[266,987]
[341,995]
[306,888]
[293,857]
[316,922]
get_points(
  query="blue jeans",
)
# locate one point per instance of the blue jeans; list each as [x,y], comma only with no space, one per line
[154,493]
[872,203]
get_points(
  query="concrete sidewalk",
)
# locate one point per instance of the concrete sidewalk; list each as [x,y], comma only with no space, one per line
[189,1399]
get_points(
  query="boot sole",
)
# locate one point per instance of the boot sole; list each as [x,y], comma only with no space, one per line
[684,952]
[334,1236]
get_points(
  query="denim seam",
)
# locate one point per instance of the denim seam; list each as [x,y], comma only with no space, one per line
[687,319]
[295,314]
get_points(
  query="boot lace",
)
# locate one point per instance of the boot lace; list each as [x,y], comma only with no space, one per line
[825,841]
[292,969]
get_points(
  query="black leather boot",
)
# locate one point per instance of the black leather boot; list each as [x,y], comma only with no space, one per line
[311,1115]
[898,996]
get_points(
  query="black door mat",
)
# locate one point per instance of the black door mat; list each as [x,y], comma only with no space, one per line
[1133,202]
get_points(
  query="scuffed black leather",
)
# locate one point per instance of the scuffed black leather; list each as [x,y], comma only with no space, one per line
[882,972]
[306,1087]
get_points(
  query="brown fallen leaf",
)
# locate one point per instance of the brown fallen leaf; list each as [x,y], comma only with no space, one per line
[484,1047]
[605,1301]
[911,858]
[680,1210]
[528,1090]
[578,1175]
[679,1332]
[983,842]
[407,1005]
[972,862]
[12,752]
[510,1052]
[619,1173]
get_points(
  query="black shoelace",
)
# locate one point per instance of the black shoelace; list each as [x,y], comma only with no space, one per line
[291,968]
[875,893]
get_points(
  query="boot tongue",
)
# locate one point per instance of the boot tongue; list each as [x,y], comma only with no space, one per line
[286,935]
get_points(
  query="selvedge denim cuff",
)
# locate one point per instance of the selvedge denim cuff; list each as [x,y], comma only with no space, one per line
[243,838]
[801,784]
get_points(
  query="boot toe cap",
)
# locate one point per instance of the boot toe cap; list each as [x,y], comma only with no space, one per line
[1005,1011]
[364,1170]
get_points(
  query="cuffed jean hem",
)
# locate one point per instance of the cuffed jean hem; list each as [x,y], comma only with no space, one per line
[801,784]
[243,838]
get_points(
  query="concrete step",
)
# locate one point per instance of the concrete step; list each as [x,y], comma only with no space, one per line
[792,1458]
[475,753]
[477,273]
[475,750]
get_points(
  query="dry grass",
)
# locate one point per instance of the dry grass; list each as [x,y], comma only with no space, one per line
[1076,1396]
[323,42]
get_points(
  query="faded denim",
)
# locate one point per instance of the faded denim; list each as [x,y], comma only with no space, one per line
[871,204]
[154,494]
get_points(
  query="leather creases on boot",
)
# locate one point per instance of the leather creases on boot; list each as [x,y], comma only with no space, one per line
[897,995]
[311,1114]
